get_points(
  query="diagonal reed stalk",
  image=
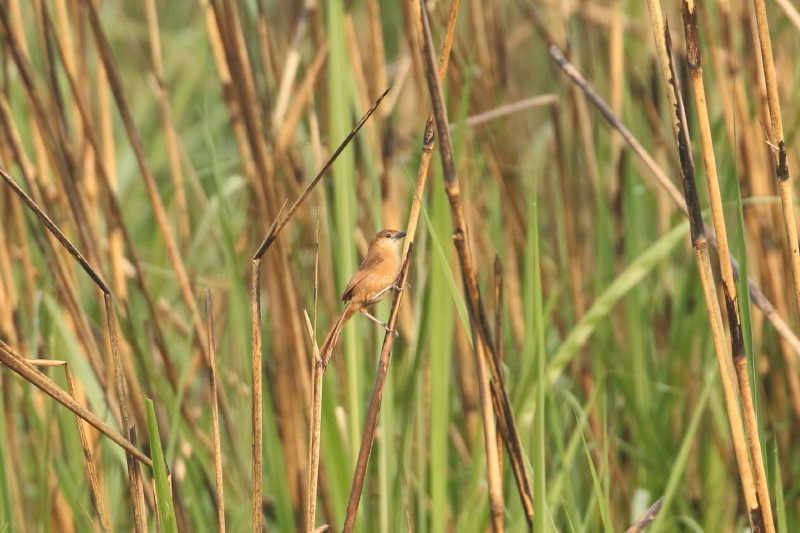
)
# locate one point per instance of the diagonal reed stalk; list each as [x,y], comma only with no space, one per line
[481,338]
[134,475]
[648,516]
[478,318]
[371,421]
[159,211]
[98,499]
[759,509]
[256,362]
[19,364]
[757,296]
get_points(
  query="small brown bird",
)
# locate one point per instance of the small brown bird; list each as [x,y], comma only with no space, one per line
[376,276]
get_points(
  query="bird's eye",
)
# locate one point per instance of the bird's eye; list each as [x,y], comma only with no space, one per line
[388,235]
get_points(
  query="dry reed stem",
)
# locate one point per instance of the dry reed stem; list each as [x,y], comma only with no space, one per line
[170,135]
[759,513]
[272,234]
[230,31]
[282,219]
[285,130]
[318,373]
[757,297]
[648,516]
[290,66]
[105,172]
[461,240]
[729,285]
[728,390]
[91,468]
[779,148]
[51,226]
[134,474]
[18,364]
[712,179]
[508,109]
[494,470]
[498,338]
[378,67]
[224,74]
[371,419]
[212,375]
[137,489]
[153,194]
[258,394]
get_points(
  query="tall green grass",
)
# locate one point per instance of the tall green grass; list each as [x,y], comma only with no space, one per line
[615,408]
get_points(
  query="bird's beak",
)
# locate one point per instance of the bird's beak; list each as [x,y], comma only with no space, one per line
[400,235]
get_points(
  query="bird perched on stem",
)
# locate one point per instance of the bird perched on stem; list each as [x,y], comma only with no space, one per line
[376,276]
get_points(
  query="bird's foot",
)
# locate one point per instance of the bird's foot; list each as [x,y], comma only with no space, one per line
[388,330]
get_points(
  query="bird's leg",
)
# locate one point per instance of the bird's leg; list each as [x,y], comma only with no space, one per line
[394,286]
[384,291]
[384,325]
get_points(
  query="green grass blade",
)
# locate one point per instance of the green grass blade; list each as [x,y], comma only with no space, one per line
[166,508]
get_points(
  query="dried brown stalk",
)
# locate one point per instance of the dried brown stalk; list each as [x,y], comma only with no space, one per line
[91,467]
[508,109]
[779,148]
[18,364]
[318,373]
[258,395]
[759,512]
[648,516]
[729,284]
[170,135]
[482,333]
[371,421]
[134,473]
[212,374]
[153,194]
[757,297]
[272,234]
[494,471]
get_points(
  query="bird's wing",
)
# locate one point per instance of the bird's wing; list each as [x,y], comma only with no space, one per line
[369,263]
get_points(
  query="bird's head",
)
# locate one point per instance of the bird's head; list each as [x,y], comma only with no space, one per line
[387,239]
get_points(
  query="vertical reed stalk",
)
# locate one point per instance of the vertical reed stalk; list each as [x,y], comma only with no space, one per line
[728,283]
[778,146]
[257,391]
[462,245]
[212,374]
[758,298]
[759,512]
[370,424]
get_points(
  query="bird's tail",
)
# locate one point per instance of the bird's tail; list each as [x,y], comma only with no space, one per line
[326,350]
